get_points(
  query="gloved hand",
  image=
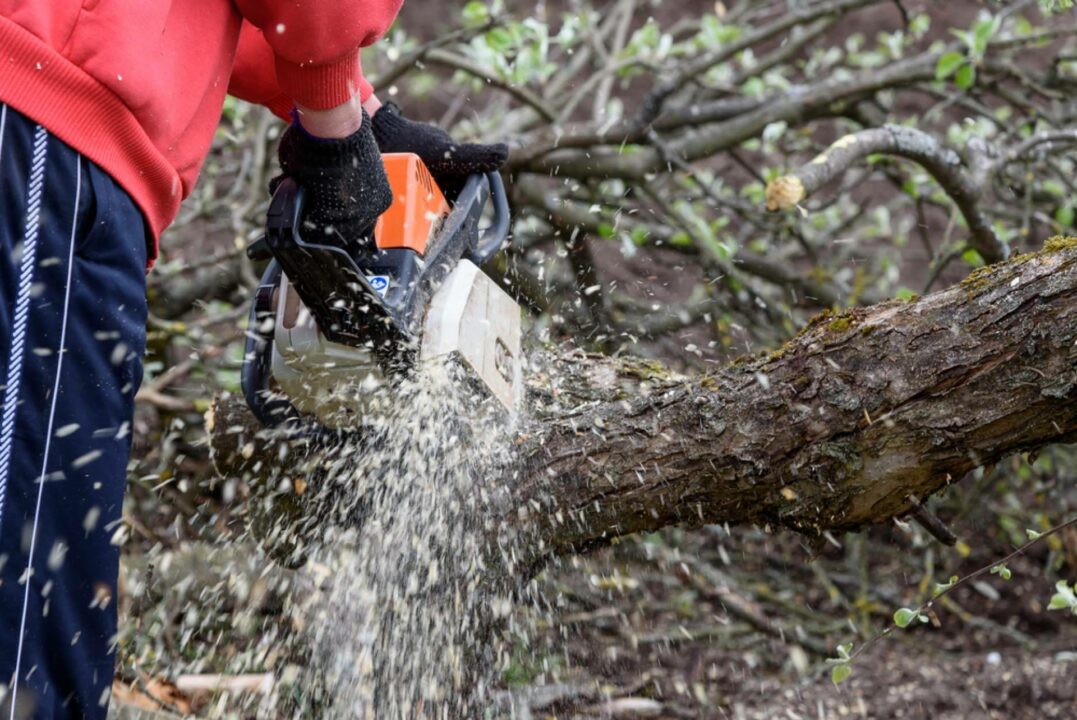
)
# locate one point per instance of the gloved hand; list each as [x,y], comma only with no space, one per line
[449,162]
[344,180]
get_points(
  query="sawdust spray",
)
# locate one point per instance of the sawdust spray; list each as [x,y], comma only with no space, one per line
[406,564]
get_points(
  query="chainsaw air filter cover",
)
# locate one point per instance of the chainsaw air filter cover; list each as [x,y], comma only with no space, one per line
[418,205]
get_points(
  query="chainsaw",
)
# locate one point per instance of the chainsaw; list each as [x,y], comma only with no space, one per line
[330,314]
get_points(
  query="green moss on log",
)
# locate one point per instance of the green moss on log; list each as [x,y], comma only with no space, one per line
[979,279]
[1058,243]
[840,324]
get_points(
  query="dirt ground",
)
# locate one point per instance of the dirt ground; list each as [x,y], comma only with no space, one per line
[895,684]
[924,684]
[636,637]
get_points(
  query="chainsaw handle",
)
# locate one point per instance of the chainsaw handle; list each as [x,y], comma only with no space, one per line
[494,236]
[271,409]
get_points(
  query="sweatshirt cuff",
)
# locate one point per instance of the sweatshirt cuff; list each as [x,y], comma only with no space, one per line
[280,105]
[321,87]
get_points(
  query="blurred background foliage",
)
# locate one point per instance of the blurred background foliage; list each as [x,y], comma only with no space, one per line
[644,134]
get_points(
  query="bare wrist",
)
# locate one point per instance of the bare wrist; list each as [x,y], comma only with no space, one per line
[372,105]
[334,123]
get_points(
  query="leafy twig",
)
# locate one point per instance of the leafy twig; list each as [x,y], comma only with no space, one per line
[904,616]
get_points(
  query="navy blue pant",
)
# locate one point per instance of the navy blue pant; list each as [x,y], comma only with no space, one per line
[72,336]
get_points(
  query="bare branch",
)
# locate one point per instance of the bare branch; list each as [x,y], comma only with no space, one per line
[943,164]
[451,60]
[652,106]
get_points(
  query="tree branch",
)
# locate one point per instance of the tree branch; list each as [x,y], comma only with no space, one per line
[833,432]
[800,102]
[942,163]
[652,105]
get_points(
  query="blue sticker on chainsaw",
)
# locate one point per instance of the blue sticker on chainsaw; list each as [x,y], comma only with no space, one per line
[380,283]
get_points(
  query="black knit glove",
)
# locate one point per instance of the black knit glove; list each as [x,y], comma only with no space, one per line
[344,180]
[449,162]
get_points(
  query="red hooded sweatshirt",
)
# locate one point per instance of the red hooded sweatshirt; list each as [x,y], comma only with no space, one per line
[137,86]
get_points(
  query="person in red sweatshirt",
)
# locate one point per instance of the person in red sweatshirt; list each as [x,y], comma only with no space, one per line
[107,112]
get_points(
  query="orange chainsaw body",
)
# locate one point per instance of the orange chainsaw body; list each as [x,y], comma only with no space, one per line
[418,205]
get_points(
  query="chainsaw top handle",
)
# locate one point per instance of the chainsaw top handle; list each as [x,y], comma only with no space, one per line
[493,237]
[477,187]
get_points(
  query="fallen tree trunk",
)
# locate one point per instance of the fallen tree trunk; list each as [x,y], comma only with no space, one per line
[849,424]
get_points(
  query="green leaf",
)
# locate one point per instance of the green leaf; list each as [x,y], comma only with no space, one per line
[1054,187]
[1058,602]
[1002,571]
[982,32]
[906,294]
[680,239]
[962,35]
[499,39]
[1033,535]
[1053,6]
[714,33]
[840,673]
[1064,598]
[1065,216]
[948,64]
[973,258]
[920,25]
[940,588]
[965,77]
[753,87]
[475,13]
[644,41]
[904,616]
[606,230]
[774,131]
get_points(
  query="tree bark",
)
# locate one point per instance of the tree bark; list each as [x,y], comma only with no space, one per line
[847,425]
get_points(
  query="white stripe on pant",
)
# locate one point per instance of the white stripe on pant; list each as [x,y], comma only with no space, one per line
[3,123]
[48,429]
[22,308]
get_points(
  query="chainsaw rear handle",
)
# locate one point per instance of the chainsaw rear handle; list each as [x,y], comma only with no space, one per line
[494,236]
